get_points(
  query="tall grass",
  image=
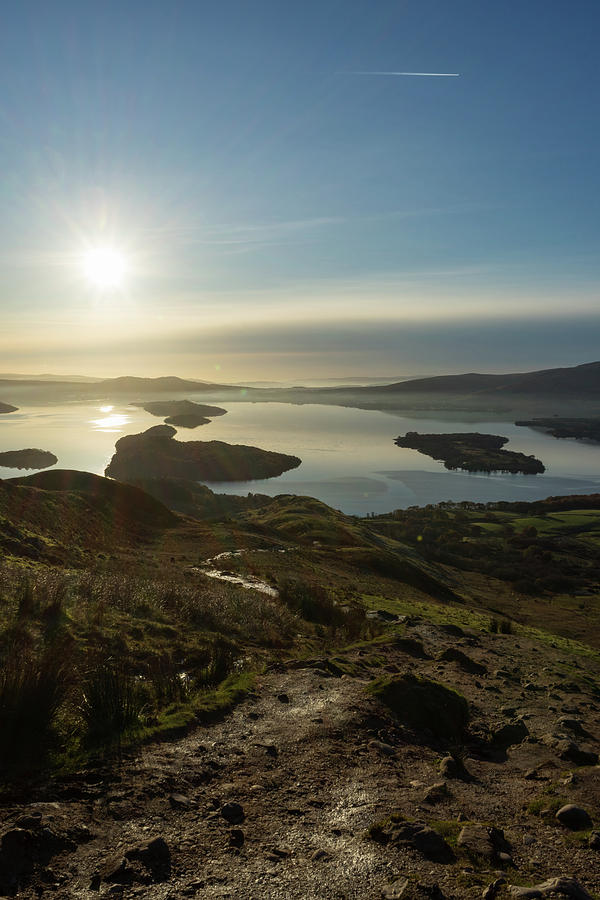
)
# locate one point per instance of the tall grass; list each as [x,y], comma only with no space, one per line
[89,658]
[315,604]
[32,690]
[112,703]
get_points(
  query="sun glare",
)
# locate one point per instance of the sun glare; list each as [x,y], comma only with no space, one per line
[105,268]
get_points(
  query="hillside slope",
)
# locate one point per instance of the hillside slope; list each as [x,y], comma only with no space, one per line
[576,379]
[50,515]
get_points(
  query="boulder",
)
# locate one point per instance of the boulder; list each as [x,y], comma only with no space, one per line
[572,752]
[233,813]
[436,792]
[452,654]
[148,859]
[510,733]
[452,767]
[567,887]
[485,841]
[574,817]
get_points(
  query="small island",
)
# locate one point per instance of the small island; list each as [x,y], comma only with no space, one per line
[472,452]
[187,420]
[559,427]
[155,454]
[182,413]
[7,408]
[27,459]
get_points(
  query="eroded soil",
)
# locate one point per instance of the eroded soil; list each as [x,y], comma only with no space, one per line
[314,762]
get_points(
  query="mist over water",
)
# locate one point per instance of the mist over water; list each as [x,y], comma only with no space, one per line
[349,459]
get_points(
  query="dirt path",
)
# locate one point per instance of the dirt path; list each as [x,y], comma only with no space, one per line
[313,762]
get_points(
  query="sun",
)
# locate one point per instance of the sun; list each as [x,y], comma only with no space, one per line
[105,268]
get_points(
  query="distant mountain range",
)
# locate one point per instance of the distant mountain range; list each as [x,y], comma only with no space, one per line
[578,379]
[70,379]
[545,392]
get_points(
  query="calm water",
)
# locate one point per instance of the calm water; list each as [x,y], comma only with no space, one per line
[349,459]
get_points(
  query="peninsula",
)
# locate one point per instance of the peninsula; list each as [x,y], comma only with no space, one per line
[472,452]
[559,427]
[155,454]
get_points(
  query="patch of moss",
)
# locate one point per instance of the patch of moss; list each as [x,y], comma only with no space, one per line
[376,831]
[449,829]
[214,704]
[547,804]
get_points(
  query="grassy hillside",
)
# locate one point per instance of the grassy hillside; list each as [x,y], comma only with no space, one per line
[106,598]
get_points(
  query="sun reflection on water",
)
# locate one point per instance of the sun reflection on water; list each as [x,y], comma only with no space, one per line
[114,422]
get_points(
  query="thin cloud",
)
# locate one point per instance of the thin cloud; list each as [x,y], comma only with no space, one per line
[416,74]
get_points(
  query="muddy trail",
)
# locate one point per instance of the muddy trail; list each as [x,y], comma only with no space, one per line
[277,800]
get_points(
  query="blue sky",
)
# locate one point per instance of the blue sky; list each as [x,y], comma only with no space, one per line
[260,189]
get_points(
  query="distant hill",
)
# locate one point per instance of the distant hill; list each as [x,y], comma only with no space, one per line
[170,383]
[575,379]
[70,379]
[7,408]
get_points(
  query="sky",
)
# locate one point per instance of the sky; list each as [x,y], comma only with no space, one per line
[280,213]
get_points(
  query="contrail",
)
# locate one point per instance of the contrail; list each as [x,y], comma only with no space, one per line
[419,74]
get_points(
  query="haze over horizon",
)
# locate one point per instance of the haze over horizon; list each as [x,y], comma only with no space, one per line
[271,215]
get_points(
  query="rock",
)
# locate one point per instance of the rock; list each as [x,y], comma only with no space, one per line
[320,855]
[118,871]
[233,813]
[16,858]
[571,725]
[412,647]
[395,891]
[568,887]
[572,752]
[594,841]
[574,817]
[29,820]
[382,747]
[492,889]
[486,841]
[436,793]
[236,837]
[452,767]
[403,889]
[151,858]
[17,842]
[416,835]
[283,698]
[431,844]
[452,654]
[510,733]
[179,801]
